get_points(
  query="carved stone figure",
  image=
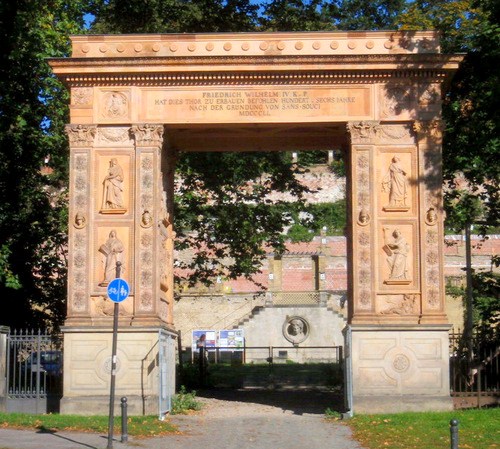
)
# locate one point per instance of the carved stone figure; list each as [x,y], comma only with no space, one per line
[146,219]
[113,251]
[116,104]
[364,217]
[396,183]
[397,251]
[431,216]
[80,221]
[296,330]
[112,197]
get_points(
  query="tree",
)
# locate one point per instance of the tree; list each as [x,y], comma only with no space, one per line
[363,15]
[471,107]
[295,15]
[33,111]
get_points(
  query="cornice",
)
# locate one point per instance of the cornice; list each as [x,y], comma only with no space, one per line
[245,70]
[255,44]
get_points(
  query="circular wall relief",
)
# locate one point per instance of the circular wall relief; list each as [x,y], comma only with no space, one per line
[401,363]
[296,329]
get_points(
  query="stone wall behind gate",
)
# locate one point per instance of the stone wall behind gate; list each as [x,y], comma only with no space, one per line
[224,304]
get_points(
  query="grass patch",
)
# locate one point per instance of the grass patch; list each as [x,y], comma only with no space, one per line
[478,429]
[139,426]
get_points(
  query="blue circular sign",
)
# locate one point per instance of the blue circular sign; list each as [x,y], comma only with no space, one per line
[118,290]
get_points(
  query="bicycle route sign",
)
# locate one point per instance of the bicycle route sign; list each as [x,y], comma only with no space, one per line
[118,290]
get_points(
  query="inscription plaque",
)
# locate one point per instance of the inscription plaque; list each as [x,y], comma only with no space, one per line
[265,105]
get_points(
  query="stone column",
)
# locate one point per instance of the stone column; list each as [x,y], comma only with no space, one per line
[399,348]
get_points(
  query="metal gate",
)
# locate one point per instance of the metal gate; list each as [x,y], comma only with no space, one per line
[167,347]
[34,372]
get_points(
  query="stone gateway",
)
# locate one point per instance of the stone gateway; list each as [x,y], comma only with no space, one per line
[138,99]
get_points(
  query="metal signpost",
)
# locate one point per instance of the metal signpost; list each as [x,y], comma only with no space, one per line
[118,291]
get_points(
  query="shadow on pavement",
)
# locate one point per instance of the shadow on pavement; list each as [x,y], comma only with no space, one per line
[310,401]
[43,429]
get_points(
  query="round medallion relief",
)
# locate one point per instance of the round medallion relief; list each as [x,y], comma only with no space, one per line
[401,363]
[296,329]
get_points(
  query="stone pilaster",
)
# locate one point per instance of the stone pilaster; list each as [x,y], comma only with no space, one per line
[429,138]
[152,228]
[361,224]
[81,141]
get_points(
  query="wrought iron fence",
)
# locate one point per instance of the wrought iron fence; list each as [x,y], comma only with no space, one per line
[34,371]
[474,366]
[271,366]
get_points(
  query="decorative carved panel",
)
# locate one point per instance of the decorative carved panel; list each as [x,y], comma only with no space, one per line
[81,135]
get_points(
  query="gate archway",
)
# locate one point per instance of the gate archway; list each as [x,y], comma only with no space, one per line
[136,99]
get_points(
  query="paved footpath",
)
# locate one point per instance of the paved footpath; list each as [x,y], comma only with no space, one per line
[227,423]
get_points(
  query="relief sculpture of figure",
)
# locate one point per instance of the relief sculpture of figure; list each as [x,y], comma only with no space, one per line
[396,183]
[113,187]
[397,251]
[113,251]
[296,330]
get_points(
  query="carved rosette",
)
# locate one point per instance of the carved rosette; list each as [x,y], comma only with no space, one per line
[79,241]
[432,272]
[146,254]
[429,94]
[430,134]
[81,96]
[81,135]
[363,132]
[362,231]
[397,99]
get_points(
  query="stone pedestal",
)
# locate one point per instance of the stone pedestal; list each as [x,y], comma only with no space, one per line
[87,375]
[399,368]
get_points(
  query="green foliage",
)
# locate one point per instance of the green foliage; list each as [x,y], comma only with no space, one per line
[470,109]
[33,112]
[184,401]
[313,219]
[176,16]
[332,414]
[478,429]
[363,15]
[222,197]
[296,15]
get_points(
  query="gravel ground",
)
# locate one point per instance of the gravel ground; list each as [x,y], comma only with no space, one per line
[229,420]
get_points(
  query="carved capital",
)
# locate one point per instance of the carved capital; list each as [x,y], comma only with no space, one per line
[148,135]
[363,132]
[81,135]
[430,129]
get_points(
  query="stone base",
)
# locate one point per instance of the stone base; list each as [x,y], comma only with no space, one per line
[398,368]
[400,404]
[99,405]
[87,370]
